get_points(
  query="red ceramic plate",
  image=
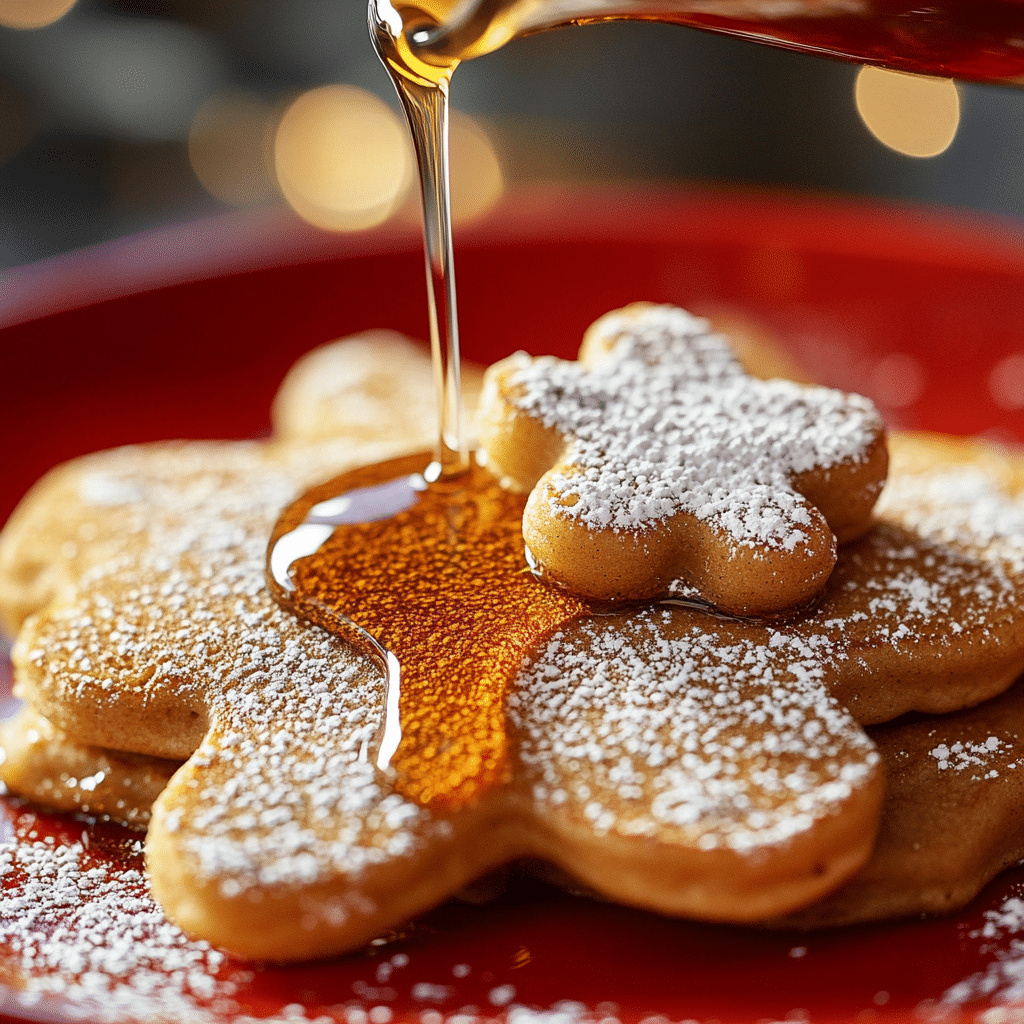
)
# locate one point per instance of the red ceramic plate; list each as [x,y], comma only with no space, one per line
[187,333]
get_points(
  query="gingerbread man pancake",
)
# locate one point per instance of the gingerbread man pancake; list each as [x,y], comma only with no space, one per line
[656,460]
[925,803]
[278,838]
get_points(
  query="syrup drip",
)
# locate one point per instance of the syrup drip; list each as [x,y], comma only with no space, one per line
[430,578]
[423,89]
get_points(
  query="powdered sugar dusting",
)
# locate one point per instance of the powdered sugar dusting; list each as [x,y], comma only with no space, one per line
[958,507]
[1002,982]
[722,735]
[668,421]
[82,939]
[1006,919]
[977,758]
[74,927]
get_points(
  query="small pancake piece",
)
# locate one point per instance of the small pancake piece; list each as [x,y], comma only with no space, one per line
[655,459]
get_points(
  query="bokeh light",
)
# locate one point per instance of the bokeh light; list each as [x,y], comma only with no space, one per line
[32,13]
[1006,382]
[897,381]
[912,114]
[230,148]
[478,181]
[342,157]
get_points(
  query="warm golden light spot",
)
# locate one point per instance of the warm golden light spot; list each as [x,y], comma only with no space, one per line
[342,158]
[897,381]
[32,13]
[1006,382]
[478,180]
[476,171]
[911,114]
[230,149]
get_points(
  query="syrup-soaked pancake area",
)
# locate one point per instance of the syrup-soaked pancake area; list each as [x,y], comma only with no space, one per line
[436,574]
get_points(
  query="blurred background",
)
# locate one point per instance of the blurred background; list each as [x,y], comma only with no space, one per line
[119,115]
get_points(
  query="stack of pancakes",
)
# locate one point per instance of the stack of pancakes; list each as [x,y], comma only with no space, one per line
[862,760]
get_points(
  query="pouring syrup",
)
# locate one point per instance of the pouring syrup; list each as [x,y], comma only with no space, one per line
[422,43]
